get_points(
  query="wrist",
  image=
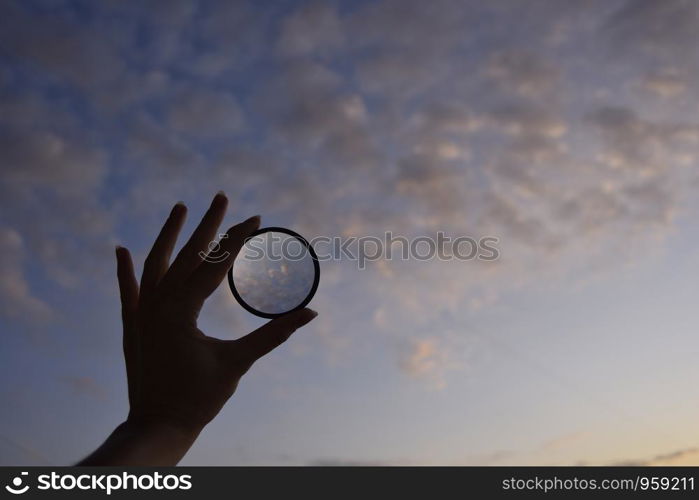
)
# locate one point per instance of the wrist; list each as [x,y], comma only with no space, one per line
[155,440]
[144,441]
[160,425]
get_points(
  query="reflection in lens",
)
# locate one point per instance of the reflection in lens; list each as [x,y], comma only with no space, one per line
[274,273]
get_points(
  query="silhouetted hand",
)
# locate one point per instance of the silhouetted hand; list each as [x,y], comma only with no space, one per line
[178,378]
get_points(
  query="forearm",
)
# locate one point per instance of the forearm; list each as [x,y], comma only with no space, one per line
[143,443]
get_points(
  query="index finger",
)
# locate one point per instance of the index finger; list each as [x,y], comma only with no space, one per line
[190,256]
[156,264]
[211,272]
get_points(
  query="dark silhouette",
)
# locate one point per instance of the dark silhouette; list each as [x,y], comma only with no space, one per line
[178,378]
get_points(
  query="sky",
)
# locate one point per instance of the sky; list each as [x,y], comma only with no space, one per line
[566,130]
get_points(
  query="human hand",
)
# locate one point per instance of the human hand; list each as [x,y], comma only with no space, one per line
[178,377]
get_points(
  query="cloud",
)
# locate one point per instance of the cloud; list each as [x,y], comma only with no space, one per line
[51,180]
[682,457]
[160,149]
[310,109]
[16,298]
[522,73]
[643,146]
[426,359]
[404,47]
[526,121]
[312,28]
[666,84]
[663,30]
[564,441]
[45,159]
[57,44]
[205,113]
[87,386]
[687,456]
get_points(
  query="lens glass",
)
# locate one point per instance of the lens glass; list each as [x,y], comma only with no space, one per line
[274,273]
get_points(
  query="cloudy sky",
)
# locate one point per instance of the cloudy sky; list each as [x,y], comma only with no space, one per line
[568,130]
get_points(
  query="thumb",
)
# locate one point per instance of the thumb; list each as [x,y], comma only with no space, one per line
[272,334]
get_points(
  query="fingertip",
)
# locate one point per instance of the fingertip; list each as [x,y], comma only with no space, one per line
[243,229]
[252,223]
[294,319]
[220,200]
[178,209]
[303,316]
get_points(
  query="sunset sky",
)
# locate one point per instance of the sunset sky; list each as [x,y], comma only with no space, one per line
[567,130]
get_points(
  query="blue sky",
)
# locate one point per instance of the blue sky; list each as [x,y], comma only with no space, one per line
[566,130]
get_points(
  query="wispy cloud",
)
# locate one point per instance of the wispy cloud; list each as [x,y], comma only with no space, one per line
[18,301]
[86,386]
[686,456]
